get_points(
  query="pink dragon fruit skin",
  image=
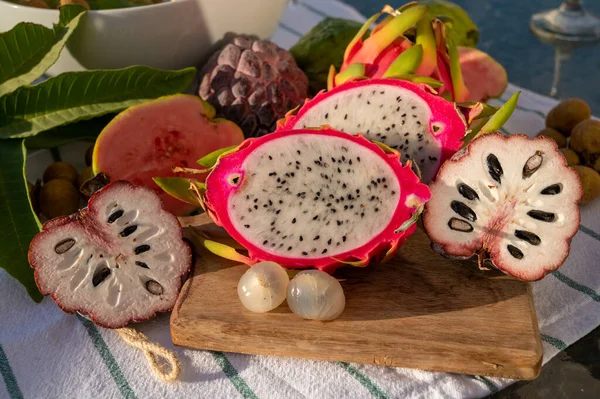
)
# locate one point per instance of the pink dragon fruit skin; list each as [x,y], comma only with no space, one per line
[233,172]
[433,138]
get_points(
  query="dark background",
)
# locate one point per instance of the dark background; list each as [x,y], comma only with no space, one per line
[504,34]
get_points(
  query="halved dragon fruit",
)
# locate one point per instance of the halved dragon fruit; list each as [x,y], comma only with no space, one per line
[120,260]
[319,198]
[406,116]
[510,200]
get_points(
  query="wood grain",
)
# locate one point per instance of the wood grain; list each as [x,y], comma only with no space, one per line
[420,310]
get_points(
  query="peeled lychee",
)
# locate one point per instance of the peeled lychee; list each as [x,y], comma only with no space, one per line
[566,115]
[554,135]
[58,197]
[570,155]
[61,170]
[590,181]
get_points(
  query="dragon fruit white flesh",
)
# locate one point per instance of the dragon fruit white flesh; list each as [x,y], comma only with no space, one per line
[319,198]
[510,200]
[406,116]
[120,260]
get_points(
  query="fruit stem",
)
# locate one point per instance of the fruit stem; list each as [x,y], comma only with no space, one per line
[482,257]
[179,169]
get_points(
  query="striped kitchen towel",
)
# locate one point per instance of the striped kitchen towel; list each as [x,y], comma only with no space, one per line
[45,353]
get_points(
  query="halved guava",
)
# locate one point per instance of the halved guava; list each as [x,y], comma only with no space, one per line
[147,140]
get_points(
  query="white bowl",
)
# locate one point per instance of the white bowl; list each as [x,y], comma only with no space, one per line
[170,35]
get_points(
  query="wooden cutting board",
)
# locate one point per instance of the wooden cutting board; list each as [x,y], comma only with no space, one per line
[419,310]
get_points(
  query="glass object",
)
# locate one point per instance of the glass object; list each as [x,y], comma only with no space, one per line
[568,27]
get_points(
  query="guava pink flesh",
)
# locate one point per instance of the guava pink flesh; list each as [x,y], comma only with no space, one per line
[406,116]
[484,77]
[286,200]
[147,141]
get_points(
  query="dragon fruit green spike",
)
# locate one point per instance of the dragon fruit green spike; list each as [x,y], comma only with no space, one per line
[405,42]
[313,198]
[512,201]
[406,116]
[119,260]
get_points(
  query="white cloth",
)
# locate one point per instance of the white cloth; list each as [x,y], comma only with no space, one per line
[45,353]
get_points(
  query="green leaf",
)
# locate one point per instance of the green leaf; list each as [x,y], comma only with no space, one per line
[414,218]
[217,248]
[501,116]
[180,188]
[496,121]
[74,96]
[210,160]
[18,223]
[28,50]
[82,130]
[406,63]
[353,71]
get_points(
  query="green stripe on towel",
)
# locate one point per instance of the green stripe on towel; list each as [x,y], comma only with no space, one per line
[489,384]
[233,376]
[108,358]
[555,342]
[589,232]
[364,380]
[576,286]
[9,377]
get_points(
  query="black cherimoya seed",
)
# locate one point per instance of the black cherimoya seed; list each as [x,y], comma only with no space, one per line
[494,168]
[140,249]
[64,245]
[528,236]
[100,275]
[141,264]
[114,216]
[541,215]
[552,189]
[127,231]
[533,164]
[515,252]
[460,225]
[467,192]
[154,287]
[463,210]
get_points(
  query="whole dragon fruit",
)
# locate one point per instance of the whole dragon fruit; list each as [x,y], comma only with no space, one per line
[512,201]
[119,260]
[405,116]
[305,198]
[407,41]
